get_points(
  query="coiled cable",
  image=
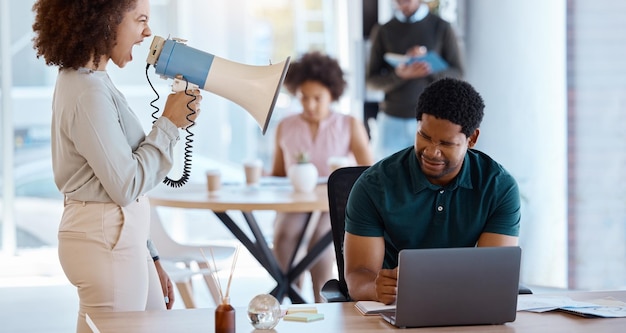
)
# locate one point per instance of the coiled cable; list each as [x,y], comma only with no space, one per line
[186,174]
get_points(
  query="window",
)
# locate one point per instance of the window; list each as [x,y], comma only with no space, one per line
[246,31]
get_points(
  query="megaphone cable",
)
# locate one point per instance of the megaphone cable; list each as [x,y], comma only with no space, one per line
[184,178]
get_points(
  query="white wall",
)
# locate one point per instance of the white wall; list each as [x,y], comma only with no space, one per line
[516,53]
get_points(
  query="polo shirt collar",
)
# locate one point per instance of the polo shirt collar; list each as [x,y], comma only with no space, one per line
[463,179]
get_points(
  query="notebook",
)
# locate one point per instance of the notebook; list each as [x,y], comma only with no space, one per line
[456,286]
[437,64]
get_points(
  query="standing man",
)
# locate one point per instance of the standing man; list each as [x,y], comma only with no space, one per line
[412,31]
[439,193]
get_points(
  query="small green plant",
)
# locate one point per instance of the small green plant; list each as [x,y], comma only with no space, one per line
[302,158]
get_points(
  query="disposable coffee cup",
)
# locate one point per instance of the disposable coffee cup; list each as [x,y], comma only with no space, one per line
[213,180]
[253,170]
[336,162]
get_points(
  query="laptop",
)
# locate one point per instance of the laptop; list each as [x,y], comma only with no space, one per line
[456,286]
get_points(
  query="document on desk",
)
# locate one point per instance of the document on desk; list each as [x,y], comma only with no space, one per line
[371,308]
[604,307]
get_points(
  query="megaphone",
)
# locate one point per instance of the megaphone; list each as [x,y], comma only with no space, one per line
[255,88]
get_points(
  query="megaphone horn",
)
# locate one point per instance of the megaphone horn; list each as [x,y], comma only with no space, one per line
[255,88]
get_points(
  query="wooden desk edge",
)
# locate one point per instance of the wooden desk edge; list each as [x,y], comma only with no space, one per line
[341,316]
[319,203]
[286,207]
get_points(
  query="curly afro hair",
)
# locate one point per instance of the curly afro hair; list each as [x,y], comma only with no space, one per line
[69,34]
[315,66]
[454,100]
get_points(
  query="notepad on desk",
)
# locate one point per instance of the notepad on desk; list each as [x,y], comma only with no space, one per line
[371,308]
[309,309]
[303,316]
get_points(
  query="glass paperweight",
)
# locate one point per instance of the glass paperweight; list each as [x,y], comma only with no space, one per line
[264,312]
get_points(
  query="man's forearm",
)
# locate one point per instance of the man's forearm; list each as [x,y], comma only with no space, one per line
[362,285]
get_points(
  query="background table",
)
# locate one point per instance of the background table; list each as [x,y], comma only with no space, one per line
[343,317]
[278,197]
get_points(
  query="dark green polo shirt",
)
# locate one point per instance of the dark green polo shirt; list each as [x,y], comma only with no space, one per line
[394,199]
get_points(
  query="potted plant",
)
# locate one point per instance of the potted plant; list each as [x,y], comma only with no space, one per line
[303,174]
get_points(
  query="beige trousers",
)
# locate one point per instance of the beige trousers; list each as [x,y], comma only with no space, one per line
[102,250]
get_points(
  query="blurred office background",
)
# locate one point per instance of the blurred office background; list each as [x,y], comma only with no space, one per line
[552,74]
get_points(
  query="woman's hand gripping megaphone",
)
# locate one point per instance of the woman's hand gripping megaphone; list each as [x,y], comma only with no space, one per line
[182,107]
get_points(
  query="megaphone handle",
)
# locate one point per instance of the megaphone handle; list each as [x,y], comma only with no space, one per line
[180,84]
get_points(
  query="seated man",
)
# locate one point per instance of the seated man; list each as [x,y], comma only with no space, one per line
[438,193]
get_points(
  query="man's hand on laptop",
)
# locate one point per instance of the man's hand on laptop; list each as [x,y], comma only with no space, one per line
[387,285]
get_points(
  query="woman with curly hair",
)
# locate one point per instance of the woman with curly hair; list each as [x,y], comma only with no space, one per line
[102,159]
[317,81]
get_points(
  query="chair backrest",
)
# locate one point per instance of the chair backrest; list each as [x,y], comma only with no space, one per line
[339,186]
[170,249]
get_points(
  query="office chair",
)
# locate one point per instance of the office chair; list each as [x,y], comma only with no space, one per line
[340,184]
[172,253]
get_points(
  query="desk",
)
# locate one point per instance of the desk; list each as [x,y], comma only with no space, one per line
[343,317]
[279,198]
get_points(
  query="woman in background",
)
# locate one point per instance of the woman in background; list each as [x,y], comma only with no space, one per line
[103,161]
[320,133]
